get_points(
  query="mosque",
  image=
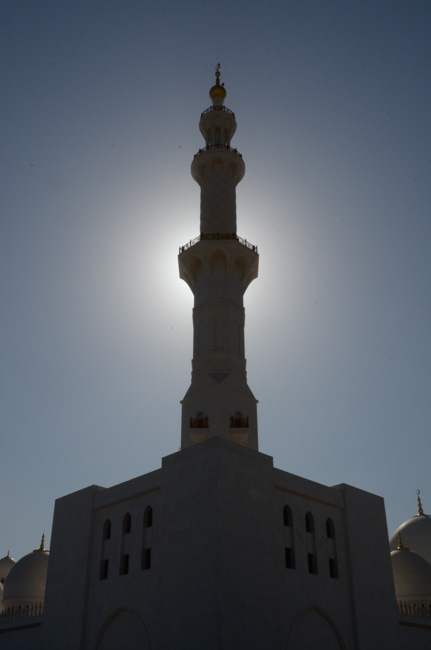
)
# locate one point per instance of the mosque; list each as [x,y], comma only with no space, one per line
[218,548]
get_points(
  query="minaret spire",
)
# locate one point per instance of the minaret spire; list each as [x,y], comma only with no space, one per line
[218,266]
[218,168]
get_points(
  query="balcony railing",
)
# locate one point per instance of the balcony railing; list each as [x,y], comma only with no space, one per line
[238,423]
[223,147]
[218,235]
[21,613]
[420,610]
[199,423]
[218,108]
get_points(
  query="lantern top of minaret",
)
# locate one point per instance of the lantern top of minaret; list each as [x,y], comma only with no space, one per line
[218,92]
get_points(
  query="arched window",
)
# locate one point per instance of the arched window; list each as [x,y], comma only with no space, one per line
[125,545]
[146,539]
[332,549]
[104,551]
[311,543]
[330,529]
[237,421]
[106,530]
[289,550]
[287,516]
[127,523]
[148,517]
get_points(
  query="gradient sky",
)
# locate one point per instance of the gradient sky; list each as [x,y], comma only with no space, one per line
[100,108]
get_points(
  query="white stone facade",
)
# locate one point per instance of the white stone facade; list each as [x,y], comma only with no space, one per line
[235,554]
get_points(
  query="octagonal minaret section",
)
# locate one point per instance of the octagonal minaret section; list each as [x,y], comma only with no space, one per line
[218,266]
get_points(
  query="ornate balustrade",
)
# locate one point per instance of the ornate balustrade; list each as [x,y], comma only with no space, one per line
[224,147]
[20,613]
[217,108]
[238,423]
[420,610]
[199,423]
[217,235]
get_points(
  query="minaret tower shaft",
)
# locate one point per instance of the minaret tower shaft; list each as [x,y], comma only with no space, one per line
[218,266]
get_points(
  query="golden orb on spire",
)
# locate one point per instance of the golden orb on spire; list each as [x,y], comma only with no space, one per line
[218,91]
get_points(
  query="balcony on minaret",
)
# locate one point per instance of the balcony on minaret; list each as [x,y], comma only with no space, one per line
[238,422]
[199,422]
[218,235]
[218,145]
[199,428]
[239,428]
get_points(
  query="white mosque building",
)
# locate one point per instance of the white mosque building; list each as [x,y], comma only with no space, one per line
[219,549]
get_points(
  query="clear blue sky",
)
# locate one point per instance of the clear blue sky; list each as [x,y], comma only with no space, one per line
[100,107]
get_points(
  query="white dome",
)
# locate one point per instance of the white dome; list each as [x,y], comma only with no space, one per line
[412,576]
[416,535]
[6,563]
[25,584]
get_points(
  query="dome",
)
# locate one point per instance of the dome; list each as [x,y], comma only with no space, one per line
[6,563]
[217,92]
[25,584]
[412,576]
[416,533]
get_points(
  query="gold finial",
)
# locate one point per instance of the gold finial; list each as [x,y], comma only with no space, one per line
[217,92]
[42,543]
[8,553]
[400,546]
[420,510]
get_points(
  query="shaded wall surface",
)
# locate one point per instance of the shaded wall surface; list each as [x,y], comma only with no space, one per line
[219,549]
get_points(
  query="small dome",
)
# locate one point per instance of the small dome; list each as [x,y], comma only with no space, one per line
[25,584]
[412,576]
[6,563]
[416,534]
[217,92]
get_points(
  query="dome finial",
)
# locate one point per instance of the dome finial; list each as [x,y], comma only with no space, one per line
[217,92]
[400,546]
[42,543]
[420,510]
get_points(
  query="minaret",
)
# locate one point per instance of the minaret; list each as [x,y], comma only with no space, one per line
[218,266]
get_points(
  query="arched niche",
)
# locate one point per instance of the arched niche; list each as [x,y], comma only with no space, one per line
[123,629]
[218,264]
[313,629]
[240,266]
